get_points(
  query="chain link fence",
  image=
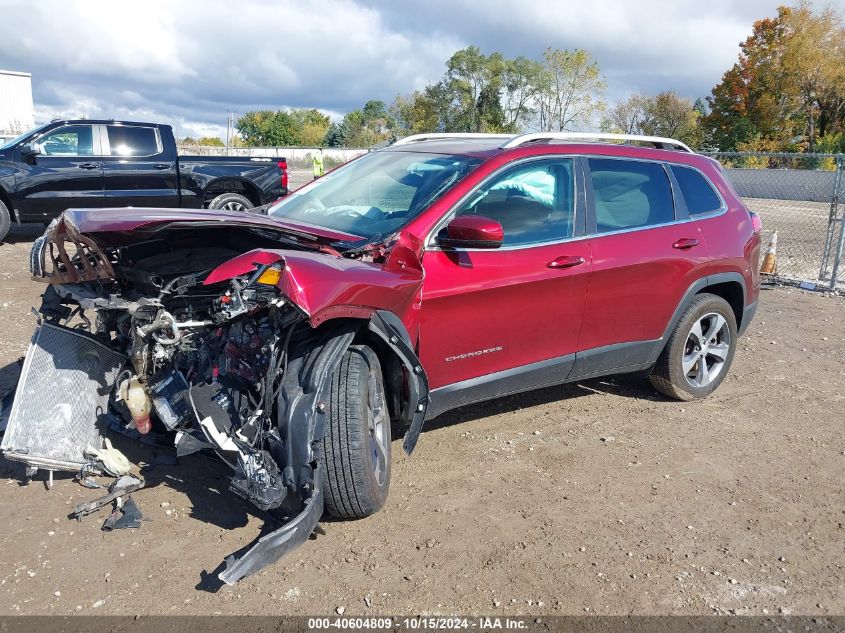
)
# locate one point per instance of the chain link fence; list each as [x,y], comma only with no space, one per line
[797,195]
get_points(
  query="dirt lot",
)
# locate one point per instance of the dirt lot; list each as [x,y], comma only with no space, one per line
[600,497]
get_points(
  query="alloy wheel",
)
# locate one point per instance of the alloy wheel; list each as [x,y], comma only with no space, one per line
[379,427]
[706,350]
[233,206]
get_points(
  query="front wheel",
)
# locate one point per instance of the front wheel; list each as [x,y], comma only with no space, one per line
[356,446]
[699,351]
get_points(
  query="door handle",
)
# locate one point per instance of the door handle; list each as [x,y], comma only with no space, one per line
[566,261]
[161,166]
[89,165]
[684,243]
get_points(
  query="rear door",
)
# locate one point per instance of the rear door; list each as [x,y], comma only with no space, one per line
[646,254]
[67,173]
[503,317]
[139,169]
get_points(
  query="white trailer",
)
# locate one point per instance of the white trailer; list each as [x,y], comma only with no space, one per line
[16,111]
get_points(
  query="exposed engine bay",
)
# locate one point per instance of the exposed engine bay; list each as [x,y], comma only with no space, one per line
[208,350]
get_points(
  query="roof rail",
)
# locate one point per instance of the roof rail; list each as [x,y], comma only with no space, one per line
[659,142]
[450,135]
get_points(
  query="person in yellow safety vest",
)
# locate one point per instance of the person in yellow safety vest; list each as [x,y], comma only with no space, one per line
[318,164]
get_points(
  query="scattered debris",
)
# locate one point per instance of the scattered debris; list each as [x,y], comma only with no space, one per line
[113,461]
[119,488]
[126,514]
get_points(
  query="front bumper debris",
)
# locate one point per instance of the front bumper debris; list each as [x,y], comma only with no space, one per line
[273,546]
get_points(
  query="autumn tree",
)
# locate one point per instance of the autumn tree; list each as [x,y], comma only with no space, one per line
[788,86]
[664,114]
[627,116]
[571,90]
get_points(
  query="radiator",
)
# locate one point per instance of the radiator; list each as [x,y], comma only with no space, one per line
[61,402]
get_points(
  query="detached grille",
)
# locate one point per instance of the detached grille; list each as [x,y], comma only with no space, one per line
[62,399]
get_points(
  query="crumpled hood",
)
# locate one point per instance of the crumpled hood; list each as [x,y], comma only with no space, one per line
[126,219]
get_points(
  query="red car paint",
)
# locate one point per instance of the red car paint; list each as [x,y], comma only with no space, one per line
[472,313]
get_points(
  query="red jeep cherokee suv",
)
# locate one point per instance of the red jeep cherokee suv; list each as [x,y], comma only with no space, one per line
[438,272]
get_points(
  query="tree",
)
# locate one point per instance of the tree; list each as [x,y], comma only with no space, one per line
[570,92]
[333,136]
[672,116]
[521,80]
[627,116]
[209,141]
[788,85]
[814,56]
[665,114]
[268,128]
[313,126]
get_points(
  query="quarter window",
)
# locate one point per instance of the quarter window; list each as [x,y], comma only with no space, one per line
[133,141]
[534,203]
[71,140]
[698,193]
[630,194]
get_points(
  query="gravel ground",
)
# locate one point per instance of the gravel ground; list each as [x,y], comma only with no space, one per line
[599,497]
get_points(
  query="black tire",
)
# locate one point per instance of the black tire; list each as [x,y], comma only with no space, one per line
[230,202]
[5,221]
[353,486]
[679,372]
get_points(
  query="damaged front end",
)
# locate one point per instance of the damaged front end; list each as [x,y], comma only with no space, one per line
[210,334]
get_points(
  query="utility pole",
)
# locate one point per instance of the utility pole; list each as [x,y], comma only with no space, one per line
[230,128]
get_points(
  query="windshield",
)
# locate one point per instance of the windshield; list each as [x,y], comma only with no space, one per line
[375,195]
[18,139]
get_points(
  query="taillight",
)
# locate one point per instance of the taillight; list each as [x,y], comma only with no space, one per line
[756,222]
[283,166]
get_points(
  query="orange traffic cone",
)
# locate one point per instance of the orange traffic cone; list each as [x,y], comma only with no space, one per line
[770,263]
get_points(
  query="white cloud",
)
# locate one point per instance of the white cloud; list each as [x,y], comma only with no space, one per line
[192,60]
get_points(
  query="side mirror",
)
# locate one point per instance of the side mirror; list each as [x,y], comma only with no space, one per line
[30,151]
[473,231]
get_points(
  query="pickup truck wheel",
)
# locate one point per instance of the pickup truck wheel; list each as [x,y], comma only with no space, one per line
[356,446]
[5,221]
[699,351]
[230,202]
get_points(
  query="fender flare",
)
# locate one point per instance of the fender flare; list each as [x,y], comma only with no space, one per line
[303,398]
[694,289]
[391,330]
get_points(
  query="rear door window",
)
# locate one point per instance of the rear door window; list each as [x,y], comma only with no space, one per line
[698,193]
[630,194]
[534,203]
[133,141]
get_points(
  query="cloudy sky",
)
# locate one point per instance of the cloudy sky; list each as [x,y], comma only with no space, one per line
[189,61]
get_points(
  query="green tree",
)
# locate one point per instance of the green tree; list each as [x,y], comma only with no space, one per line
[521,82]
[269,128]
[571,90]
[210,141]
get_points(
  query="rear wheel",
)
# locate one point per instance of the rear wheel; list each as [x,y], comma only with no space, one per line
[700,350]
[230,202]
[356,446]
[5,221]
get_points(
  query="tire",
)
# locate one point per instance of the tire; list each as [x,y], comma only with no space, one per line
[692,366]
[230,202]
[355,460]
[5,221]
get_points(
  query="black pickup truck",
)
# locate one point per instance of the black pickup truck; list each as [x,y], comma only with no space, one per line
[88,163]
